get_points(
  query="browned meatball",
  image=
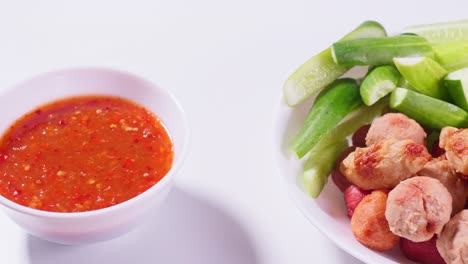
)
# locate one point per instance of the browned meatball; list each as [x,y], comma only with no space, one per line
[455,143]
[369,225]
[442,170]
[452,243]
[397,126]
[418,208]
[384,164]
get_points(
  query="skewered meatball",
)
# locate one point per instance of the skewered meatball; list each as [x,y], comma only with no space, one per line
[384,164]
[441,169]
[455,143]
[397,126]
[418,208]
[452,243]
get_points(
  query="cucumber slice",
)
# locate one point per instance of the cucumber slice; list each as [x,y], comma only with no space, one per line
[317,169]
[429,111]
[379,51]
[330,107]
[441,32]
[452,55]
[424,74]
[378,83]
[320,70]
[403,83]
[323,155]
[457,85]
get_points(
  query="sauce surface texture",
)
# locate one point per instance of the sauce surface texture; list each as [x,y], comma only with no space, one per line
[83,153]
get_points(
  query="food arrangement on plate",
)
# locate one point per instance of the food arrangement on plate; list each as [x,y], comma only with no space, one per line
[395,140]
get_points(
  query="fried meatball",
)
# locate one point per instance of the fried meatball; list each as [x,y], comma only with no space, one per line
[442,170]
[397,126]
[369,225]
[455,143]
[452,243]
[418,208]
[384,164]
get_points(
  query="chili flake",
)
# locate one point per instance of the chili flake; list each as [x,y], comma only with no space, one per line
[83,153]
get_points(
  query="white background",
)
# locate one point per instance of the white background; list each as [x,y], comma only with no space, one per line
[226,62]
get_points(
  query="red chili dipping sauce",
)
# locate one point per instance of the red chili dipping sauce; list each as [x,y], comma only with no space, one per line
[83,153]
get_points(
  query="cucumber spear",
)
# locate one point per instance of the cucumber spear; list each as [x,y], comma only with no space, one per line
[330,107]
[380,51]
[324,154]
[320,70]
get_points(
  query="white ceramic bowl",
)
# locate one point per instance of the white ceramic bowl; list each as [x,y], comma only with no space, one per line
[102,224]
[328,212]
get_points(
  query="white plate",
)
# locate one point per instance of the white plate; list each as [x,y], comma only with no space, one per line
[328,212]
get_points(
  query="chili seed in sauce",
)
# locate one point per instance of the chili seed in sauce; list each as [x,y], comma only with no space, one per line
[83,153]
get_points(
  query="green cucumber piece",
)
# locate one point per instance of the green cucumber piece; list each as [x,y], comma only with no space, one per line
[452,55]
[320,70]
[317,169]
[378,83]
[356,119]
[330,107]
[457,85]
[424,74]
[427,110]
[403,83]
[324,154]
[379,51]
[441,32]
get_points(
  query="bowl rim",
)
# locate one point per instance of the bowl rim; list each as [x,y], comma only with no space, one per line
[157,187]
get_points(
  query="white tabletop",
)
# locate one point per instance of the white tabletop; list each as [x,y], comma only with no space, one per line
[226,62]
